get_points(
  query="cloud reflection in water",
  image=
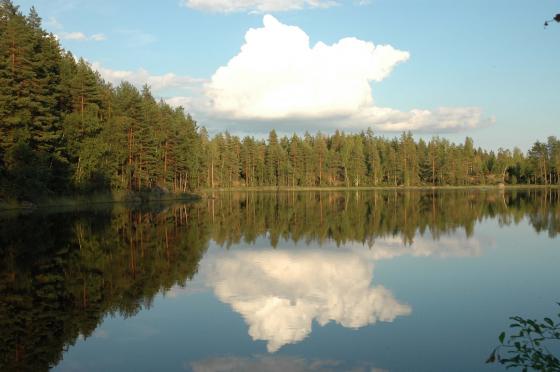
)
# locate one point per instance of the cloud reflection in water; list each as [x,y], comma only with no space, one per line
[273,364]
[279,293]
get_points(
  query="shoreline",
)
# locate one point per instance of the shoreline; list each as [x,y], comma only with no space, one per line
[137,199]
[85,201]
[373,188]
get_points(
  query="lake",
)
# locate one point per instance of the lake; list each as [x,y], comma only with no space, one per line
[288,281]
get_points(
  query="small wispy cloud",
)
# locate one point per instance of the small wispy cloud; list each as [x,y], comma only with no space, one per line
[77,36]
[136,38]
[101,333]
[53,23]
[80,36]
[98,37]
[256,6]
[142,76]
[63,6]
[268,363]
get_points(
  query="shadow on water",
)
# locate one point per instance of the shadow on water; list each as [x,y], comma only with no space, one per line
[62,273]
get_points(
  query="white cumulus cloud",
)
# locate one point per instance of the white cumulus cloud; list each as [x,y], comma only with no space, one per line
[261,6]
[278,76]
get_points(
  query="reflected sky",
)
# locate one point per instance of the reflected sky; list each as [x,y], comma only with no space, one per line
[268,363]
[300,281]
[280,292]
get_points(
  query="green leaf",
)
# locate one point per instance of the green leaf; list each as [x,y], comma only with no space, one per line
[502,336]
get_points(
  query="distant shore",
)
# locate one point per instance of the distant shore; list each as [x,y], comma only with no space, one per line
[373,188]
[140,198]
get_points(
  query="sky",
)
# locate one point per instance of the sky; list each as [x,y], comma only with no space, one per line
[484,69]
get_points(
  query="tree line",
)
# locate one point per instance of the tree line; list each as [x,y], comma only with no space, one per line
[65,130]
[363,159]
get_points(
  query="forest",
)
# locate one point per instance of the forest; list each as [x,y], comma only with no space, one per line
[66,131]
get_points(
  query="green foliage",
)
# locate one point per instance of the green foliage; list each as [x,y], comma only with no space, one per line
[90,137]
[362,159]
[528,345]
[65,130]
[27,170]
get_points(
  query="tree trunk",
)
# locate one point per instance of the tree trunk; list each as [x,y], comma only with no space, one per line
[212,176]
[320,170]
[433,171]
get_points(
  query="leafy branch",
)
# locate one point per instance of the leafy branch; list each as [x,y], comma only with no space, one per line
[528,345]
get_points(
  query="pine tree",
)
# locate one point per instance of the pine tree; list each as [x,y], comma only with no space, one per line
[320,150]
[272,160]
[356,163]
[17,77]
[296,167]
[128,115]
[248,161]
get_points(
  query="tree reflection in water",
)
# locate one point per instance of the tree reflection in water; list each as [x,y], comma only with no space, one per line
[62,273]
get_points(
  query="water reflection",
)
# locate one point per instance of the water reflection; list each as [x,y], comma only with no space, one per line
[62,273]
[275,364]
[280,293]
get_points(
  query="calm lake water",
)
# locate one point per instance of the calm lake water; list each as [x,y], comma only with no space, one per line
[304,281]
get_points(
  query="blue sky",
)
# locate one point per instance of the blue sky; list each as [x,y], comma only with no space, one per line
[491,62]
